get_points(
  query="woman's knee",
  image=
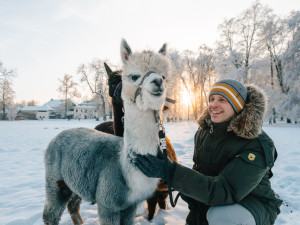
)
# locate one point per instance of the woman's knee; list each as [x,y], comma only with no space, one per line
[229,215]
[215,215]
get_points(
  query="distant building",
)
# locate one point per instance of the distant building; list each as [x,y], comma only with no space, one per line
[34,112]
[53,109]
[86,110]
[58,107]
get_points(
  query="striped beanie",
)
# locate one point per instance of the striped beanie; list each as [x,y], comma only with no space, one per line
[234,91]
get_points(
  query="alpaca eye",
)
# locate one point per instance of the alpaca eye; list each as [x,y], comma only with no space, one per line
[134,77]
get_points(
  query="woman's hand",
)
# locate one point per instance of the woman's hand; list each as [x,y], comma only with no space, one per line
[154,166]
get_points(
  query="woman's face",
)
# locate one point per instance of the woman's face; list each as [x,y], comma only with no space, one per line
[220,109]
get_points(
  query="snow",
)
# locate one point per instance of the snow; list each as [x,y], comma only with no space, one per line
[22,193]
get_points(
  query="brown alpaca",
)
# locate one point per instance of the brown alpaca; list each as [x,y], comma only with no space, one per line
[117,127]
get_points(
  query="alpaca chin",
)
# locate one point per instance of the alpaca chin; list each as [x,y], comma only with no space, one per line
[150,102]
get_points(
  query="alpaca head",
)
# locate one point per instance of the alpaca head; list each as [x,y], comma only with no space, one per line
[145,71]
[114,84]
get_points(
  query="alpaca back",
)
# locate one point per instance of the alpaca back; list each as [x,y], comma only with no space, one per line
[82,155]
[106,127]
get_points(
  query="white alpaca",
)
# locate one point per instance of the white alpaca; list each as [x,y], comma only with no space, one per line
[97,167]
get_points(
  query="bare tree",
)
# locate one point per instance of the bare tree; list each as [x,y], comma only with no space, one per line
[198,72]
[190,79]
[6,91]
[193,72]
[290,104]
[206,72]
[68,89]
[241,46]
[32,103]
[95,77]
[174,83]
[275,36]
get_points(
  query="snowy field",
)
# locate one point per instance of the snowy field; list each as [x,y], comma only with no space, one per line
[22,144]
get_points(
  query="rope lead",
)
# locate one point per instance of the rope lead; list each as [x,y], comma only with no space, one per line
[163,148]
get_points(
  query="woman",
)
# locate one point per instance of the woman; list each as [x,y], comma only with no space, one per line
[229,183]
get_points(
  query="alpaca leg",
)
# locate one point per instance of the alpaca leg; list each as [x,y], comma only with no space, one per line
[74,209]
[151,205]
[162,200]
[128,215]
[108,217]
[57,196]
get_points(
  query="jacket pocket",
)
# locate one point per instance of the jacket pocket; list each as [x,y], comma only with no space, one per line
[253,158]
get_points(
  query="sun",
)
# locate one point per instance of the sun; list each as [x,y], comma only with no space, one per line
[185,97]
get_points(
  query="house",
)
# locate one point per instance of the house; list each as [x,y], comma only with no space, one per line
[86,110]
[34,112]
[59,108]
[53,109]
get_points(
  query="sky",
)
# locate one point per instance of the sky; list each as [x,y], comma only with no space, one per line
[42,40]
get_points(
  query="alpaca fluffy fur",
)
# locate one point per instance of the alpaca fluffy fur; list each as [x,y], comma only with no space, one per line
[98,167]
[116,127]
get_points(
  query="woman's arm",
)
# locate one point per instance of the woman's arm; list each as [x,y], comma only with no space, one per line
[233,183]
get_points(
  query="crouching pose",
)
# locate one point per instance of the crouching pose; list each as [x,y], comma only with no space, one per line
[233,157]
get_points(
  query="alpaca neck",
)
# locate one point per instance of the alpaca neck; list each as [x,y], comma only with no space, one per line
[140,131]
[118,114]
[141,137]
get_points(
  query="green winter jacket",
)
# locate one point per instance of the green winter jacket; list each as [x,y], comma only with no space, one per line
[233,161]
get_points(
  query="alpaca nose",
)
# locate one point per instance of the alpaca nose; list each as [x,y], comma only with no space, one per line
[157,82]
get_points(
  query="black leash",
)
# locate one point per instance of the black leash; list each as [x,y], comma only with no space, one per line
[163,148]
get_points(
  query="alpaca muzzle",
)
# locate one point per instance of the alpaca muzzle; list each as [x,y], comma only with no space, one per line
[139,89]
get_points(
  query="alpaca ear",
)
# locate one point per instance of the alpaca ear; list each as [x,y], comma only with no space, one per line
[125,51]
[108,70]
[163,50]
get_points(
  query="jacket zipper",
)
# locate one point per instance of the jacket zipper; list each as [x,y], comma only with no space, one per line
[211,129]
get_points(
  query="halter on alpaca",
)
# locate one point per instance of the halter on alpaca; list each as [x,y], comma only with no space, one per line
[119,85]
[139,89]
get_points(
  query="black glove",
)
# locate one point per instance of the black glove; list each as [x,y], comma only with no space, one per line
[154,166]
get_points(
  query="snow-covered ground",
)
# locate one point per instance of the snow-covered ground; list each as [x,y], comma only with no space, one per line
[22,144]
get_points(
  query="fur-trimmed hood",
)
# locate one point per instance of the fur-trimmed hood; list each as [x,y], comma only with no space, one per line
[248,123]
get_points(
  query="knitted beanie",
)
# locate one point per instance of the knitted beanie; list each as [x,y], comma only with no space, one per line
[234,91]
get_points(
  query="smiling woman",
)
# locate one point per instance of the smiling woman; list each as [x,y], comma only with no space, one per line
[219,109]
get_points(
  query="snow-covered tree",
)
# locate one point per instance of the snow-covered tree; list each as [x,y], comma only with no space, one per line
[275,38]
[95,77]
[240,46]
[68,89]
[206,72]
[199,72]
[291,69]
[174,84]
[6,92]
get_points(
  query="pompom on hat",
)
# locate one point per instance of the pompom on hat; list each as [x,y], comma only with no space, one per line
[234,91]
